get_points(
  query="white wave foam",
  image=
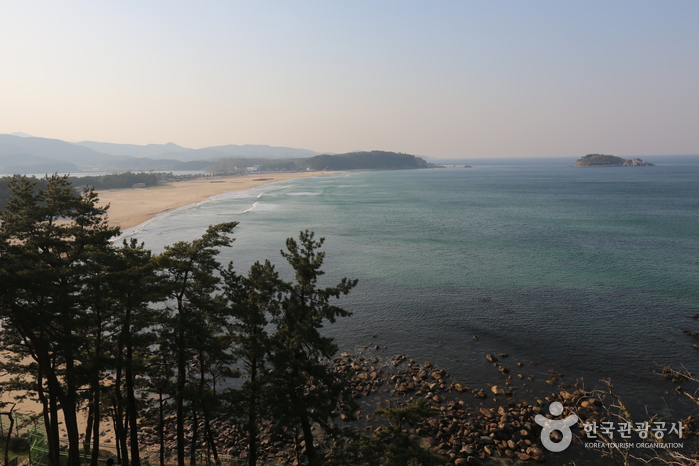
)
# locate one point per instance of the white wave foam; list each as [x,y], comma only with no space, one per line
[255,192]
[261,207]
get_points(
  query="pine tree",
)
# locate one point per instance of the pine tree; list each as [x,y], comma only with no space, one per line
[252,301]
[48,241]
[306,390]
[189,273]
[133,286]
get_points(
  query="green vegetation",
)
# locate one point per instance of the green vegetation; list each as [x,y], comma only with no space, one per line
[239,165]
[114,181]
[378,160]
[49,281]
[117,180]
[601,160]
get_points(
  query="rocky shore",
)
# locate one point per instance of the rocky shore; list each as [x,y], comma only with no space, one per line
[474,425]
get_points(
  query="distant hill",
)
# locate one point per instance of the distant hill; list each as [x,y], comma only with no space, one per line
[377,160]
[602,160]
[261,151]
[20,154]
[248,151]
[133,150]
[40,168]
[174,152]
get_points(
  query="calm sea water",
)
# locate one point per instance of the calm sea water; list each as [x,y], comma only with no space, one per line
[593,270]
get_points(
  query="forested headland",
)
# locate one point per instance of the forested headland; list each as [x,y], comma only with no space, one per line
[371,160]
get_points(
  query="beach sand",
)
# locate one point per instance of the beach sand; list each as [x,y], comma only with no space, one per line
[131,207]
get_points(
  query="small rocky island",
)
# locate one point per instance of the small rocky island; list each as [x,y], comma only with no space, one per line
[601,160]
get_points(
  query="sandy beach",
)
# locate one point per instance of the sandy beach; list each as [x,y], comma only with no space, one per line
[131,207]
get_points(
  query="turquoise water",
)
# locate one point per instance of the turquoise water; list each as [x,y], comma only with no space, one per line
[591,269]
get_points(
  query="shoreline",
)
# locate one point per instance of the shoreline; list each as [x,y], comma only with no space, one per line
[131,207]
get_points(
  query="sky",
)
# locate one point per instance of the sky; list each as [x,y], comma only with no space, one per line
[446,79]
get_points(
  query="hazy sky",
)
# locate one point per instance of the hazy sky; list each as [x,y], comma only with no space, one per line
[439,78]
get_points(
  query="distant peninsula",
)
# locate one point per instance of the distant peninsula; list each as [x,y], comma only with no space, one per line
[372,160]
[602,160]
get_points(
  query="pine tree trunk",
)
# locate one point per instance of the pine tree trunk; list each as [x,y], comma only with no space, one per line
[179,394]
[119,423]
[88,431]
[193,445]
[96,426]
[252,415]
[161,427]
[96,402]
[53,437]
[9,436]
[309,449]
[68,396]
[117,446]
[47,409]
[131,411]
[205,413]
[210,439]
[71,423]
[68,406]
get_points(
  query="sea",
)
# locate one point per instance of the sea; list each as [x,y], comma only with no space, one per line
[589,271]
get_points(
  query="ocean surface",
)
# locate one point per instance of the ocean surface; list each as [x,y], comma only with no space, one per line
[592,271]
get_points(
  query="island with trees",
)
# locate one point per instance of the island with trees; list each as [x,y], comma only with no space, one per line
[602,160]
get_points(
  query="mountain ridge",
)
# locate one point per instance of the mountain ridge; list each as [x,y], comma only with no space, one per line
[20,153]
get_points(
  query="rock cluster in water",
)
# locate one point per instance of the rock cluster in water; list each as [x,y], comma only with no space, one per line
[472,424]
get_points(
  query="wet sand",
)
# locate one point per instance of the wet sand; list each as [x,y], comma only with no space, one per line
[131,207]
